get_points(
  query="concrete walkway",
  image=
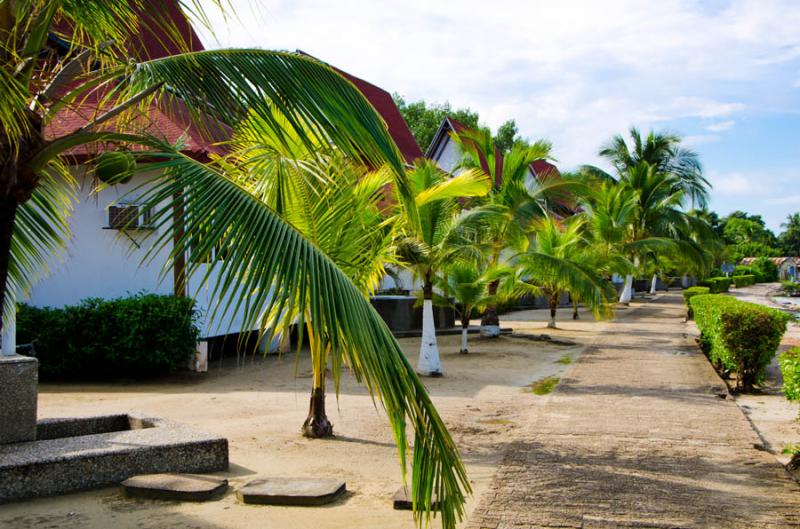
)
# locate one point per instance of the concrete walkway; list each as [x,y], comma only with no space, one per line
[637,435]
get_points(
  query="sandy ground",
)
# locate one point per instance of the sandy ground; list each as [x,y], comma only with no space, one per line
[774,417]
[260,406]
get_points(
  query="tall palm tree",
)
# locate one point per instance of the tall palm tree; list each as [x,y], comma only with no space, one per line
[514,202]
[428,238]
[560,261]
[270,268]
[665,152]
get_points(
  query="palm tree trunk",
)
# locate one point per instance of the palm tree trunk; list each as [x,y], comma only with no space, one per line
[653,283]
[429,364]
[575,309]
[553,308]
[317,424]
[490,321]
[627,291]
[8,214]
[464,332]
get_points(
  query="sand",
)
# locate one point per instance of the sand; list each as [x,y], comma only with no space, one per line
[260,405]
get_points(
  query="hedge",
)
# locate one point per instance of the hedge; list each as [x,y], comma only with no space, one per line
[142,336]
[790,369]
[745,270]
[716,285]
[738,336]
[691,292]
[744,280]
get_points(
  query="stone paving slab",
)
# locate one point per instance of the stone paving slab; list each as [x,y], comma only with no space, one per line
[291,491]
[174,487]
[637,435]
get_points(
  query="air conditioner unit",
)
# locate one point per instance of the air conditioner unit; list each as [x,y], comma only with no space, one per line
[128,217]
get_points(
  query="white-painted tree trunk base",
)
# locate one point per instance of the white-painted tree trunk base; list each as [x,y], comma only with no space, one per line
[685,281]
[490,331]
[429,364]
[551,324]
[8,343]
[627,291]
[653,283]
[464,348]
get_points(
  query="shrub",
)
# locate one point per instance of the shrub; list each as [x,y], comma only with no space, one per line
[142,336]
[744,280]
[790,288]
[790,369]
[738,335]
[691,292]
[744,270]
[716,285]
[766,269]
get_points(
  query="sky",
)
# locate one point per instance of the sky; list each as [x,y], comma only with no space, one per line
[724,74]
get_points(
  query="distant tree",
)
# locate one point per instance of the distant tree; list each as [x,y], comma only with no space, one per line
[424,119]
[508,136]
[790,238]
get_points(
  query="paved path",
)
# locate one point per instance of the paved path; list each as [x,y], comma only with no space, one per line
[637,436]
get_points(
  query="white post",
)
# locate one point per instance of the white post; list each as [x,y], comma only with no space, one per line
[653,284]
[685,281]
[8,345]
[627,291]
[429,364]
[464,340]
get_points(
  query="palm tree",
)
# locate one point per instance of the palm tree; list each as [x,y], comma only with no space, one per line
[270,269]
[428,238]
[513,204]
[560,261]
[465,287]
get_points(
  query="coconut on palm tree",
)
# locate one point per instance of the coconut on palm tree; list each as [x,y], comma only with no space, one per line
[270,269]
[427,238]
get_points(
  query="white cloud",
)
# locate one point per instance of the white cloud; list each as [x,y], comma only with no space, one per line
[573,71]
[737,183]
[785,200]
[721,126]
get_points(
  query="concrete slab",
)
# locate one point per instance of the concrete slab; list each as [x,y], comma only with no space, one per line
[291,491]
[174,487]
[19,378]
[401,500]
[89,458]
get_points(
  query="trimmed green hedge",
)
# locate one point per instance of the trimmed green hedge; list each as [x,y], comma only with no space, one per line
[738,336]
[716,285]
[142,336]
[744,280]
[790,369]
[691,292]
[745,270]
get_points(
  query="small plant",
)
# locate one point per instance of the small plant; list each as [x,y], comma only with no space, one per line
[543,386]
[790,288]
[564,360]
[792,449]
[790,369]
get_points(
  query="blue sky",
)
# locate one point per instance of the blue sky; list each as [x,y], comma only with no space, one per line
[725,74]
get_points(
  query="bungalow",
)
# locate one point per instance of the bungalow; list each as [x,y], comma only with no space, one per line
[104,257]
[787,266]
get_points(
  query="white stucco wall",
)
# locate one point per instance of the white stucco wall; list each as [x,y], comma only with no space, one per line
[448,155]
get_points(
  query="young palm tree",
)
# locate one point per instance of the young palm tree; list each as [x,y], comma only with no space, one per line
[559,261]
[513,204]
[270,269]
[427,238]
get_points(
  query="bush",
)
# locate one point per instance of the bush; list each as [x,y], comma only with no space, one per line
[716,285]
[744,270]
[790,288]
[790,369]
[744,280]
[739,336]
[765,268]
[691,292]
[143,336]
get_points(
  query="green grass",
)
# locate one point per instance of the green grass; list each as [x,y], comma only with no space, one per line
[566,360]
[542,386]
[792,449]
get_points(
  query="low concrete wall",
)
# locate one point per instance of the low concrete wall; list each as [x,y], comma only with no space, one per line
[400,314]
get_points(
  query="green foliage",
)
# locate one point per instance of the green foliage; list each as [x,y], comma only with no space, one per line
[745,270]
[790,289]
[716,285]
[790,369]
[424,119]
[744,280]
[543,386]
[766,269]
[739,336]
[115,167]
[790,238]
[691,292]
[142,336]
[508,136]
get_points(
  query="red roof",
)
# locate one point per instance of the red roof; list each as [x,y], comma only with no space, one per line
[382,101]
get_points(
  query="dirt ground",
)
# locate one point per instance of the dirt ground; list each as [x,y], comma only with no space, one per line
[260,405]
[774,417]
